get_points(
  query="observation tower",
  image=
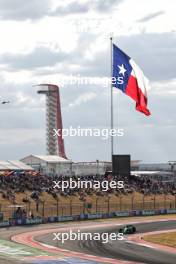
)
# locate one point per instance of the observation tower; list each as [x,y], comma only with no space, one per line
[55,144]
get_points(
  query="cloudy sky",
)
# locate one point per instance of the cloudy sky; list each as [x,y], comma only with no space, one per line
[51,40]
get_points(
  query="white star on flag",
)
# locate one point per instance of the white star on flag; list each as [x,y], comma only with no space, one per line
[122,70]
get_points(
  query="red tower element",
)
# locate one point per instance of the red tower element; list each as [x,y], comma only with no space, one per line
[55,144]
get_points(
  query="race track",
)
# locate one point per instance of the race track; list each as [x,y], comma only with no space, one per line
[123,250]
[35,244]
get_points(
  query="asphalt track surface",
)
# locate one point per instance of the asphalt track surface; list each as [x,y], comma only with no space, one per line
[123,250]
[120,250]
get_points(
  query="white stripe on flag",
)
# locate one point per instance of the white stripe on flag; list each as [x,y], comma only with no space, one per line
[143,82]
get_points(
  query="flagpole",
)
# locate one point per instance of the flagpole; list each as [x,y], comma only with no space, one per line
[112,112]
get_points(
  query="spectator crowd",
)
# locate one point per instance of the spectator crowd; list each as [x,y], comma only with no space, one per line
[21,182]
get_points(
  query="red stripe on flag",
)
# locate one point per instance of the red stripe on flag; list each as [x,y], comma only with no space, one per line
[137,95]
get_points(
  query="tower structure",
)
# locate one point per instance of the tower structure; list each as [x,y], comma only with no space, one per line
[55,144]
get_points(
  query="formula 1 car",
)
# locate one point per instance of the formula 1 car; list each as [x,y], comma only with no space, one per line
[128,229]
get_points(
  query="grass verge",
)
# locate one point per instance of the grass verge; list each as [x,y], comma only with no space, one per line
[167,239]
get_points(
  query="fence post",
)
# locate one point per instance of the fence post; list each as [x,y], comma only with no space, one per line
[132,202]
[143,201]
[71,207]
[120,203]
[57,206]
[96,205]
[37,206]
[84,207]
[29,206]
[154,202]
[108,204]
[164,201]
[43,209]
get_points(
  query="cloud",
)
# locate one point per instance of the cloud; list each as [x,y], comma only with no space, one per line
[106,5]
[89,104]
[76,7]
[71,8]
[25,116]
[23,10]
[151,16]
[39,57]
[83,98]
[165,88]
[154,53]
[15,141]
[36,9]
[47,57]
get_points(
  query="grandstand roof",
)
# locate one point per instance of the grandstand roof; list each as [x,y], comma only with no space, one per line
[14,165]
[52,158]
[45,158]
[139,173]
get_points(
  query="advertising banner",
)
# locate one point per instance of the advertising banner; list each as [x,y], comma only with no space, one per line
[33,221]
[122,214]
[4,224]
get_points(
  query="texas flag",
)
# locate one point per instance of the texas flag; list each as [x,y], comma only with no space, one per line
[129,78]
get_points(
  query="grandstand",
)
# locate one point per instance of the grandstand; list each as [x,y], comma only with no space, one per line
[34,193]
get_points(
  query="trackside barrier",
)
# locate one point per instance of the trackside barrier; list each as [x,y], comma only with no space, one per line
[65,218]
[122,214]
[34,221]
[1,216]
[52,219]
[4,224]
[40,220]
[27,221]
[149,212]
[170,211]
[93,216]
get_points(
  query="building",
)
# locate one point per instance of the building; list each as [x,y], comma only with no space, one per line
[155,166]
[91,168]
[158,171]
[97,167]
[164,176]
[49,164]
[55,144]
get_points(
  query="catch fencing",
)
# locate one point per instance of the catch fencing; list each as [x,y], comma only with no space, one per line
[45,209]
